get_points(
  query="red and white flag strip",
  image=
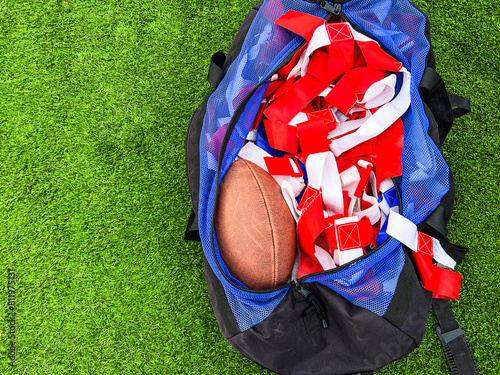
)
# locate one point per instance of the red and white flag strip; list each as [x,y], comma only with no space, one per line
[293,176]
[335,108]
[443,282]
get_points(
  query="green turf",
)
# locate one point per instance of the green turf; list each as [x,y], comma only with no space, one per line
[95,98]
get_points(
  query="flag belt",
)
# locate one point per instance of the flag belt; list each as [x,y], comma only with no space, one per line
[329,131]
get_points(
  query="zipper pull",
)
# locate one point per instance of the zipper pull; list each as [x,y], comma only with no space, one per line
[334,8]
[337,8]
[302,291]
[313,300]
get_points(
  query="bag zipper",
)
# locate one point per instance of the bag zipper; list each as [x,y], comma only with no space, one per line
[314,301]
[230,127]
[337,7]
[334,7]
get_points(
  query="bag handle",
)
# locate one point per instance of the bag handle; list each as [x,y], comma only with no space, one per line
[456,347]
[215,71]
[432,89]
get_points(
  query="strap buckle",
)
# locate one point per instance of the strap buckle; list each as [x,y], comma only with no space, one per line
[448,337]
[334,8]
[458,353]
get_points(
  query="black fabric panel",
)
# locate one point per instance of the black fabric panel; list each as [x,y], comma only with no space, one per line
[192,154]
[433,92]
[235,48]
[436,220]
[433,129]
[356,340]
[311,319]
[448,200]
[411,304]
[442,215]
[418,311]
[222,310]
[398,309]
[215,72]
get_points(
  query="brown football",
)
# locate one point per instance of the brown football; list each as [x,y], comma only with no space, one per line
[254,227]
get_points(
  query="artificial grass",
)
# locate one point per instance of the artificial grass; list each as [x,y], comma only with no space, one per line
[95,98]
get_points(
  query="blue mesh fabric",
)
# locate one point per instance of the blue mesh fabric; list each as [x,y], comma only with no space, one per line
[371,282]
[265,46]
[235,143]
[399,27]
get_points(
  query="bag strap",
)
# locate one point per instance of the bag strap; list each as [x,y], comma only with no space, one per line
[461,104]
[440,101]
[192,233]
[215,71]
[456,347]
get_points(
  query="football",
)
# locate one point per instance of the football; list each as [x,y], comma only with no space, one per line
[254,227]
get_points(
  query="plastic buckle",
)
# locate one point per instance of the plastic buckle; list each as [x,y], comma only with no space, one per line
[334,8]
[448,337]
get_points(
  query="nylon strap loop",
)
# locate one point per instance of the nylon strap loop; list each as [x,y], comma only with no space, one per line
[456,347]
[215,71]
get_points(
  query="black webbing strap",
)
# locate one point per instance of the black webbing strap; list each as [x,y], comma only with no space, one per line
[434,227]
[440,102]
[192,233]
[215,71]
[455,345]
[433,92]
[461,104]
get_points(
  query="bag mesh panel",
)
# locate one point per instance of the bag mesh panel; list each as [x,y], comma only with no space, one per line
[265,46]
[371,282]
[399,27]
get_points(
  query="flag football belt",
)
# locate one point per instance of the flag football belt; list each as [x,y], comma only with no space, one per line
[329,131]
